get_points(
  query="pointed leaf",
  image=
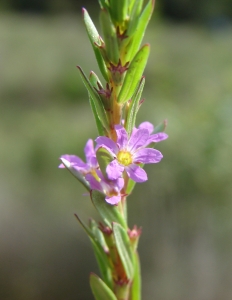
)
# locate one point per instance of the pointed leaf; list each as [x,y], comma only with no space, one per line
[110,36]
[133,74]
[75,173]
[118,10]
[160,127]
[99,289]
[95,41]
[124,249]
[104,3]
[133,107]
[95,81]
[134,17]
[109,213]
[130,186]
[143,20]
[136,283]
[101,113]
[103,158]
[99,252]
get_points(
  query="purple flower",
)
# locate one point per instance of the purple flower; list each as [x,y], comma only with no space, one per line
[77,163]
[129,152]
[153,138]
[111,188]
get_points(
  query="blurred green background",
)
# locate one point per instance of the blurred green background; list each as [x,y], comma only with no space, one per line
[184,209]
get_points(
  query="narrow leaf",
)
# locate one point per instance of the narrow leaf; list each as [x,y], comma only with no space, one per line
[136,283]
[95,41]
[143,20]
[133,107]
[96,100]
[109,213]
[133,74]
[99,289]
[118,10]
[130,186]
[100,254]
[110,36]
[160,127]
[124,249]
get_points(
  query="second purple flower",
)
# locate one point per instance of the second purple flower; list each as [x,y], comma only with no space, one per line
[128,153]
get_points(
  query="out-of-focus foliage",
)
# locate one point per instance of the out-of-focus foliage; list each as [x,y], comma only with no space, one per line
[185,208]
[216,12]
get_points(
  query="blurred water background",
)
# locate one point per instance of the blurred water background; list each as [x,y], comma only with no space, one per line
[185,208]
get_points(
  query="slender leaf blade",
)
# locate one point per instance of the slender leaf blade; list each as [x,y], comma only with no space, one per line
[134,74]
[99,289]
[96,100]
[95,41]
[133,107]
[124,249]
[136,283]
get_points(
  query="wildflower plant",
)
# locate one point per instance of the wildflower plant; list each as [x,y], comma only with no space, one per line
[114,163]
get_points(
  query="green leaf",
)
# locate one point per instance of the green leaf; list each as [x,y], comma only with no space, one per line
[75,173]
[118,10]
[95,41]
[99,252]
[122,242]
[109,213]
[93,80]
[100,128]
[134,16]
[133,107]
[160,127]
[136,283]
[110,36]
[143,20]
[133,74]
[103,158]
[99,289]
[104,3]
[130,186]
[100,111]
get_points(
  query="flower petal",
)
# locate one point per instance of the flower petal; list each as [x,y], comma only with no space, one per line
[113,200]
[157,137]
[122,136]
[111,146]
[136,173]
[71,160]
[138,139]
[94,184]
[114,170]
[147,156]
[89,151]
[148,126]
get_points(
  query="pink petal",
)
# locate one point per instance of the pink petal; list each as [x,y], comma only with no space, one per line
[113,200]
[111,146]
[148,126]
[114,170]
[71,160]
[147,156]
[138,139]
[89,150]
[122,136]
[157,137]
[136,173]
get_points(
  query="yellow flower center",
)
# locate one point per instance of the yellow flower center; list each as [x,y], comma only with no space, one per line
[124,158]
